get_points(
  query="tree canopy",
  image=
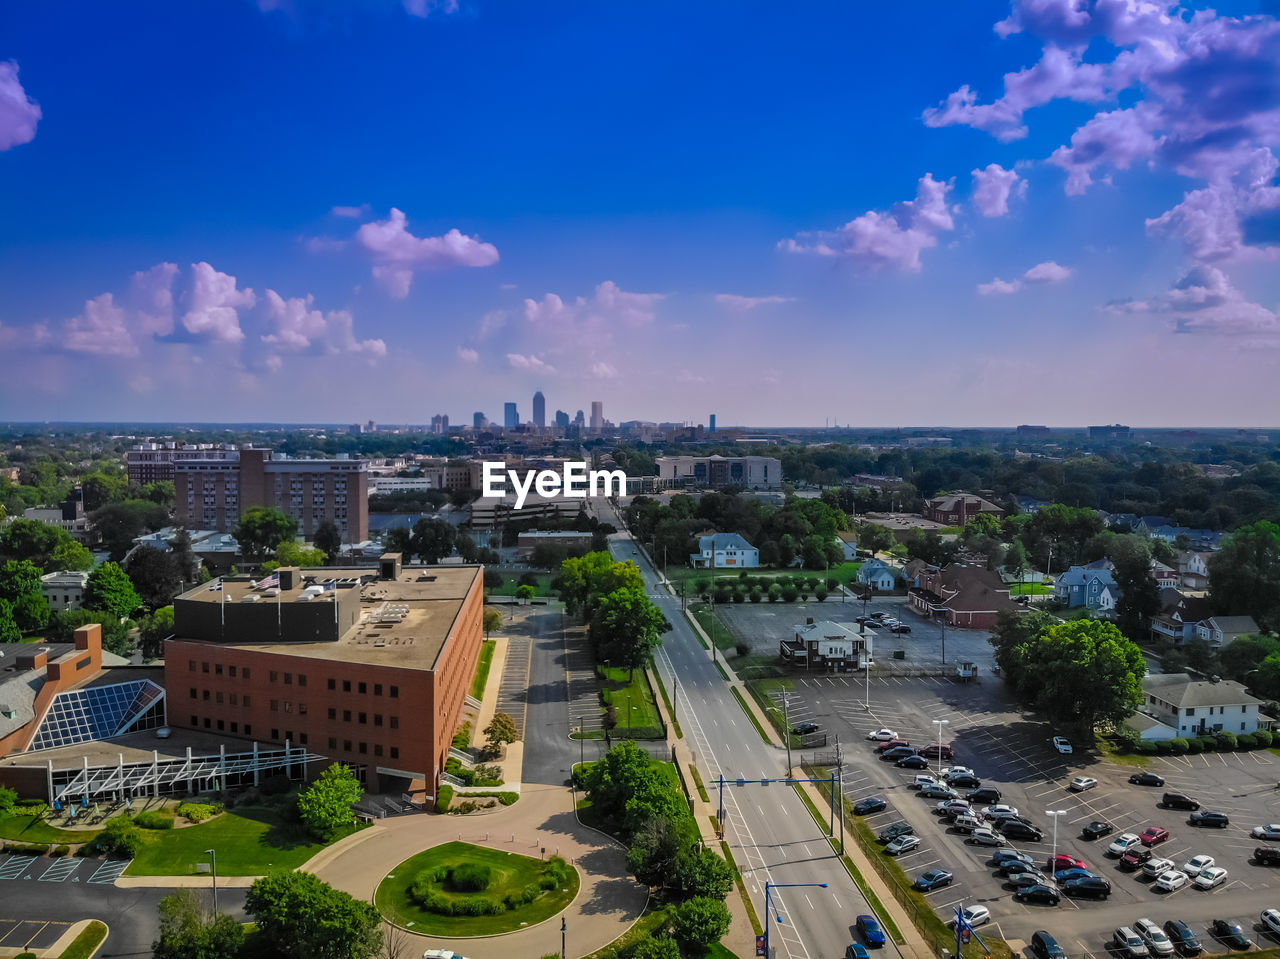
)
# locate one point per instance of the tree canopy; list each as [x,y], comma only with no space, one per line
[304,917]
[261,529]
[155,574]
[109,590]
[49,547]
[627,627]
[20,585]
[328,539]
[189,931]
[325,805]
[432,539]
[1244,576]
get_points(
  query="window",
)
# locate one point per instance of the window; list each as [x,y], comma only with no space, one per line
[333,684]
[195,720]
[194,695]
[364,748]
[235,726]
[235,699]
[1191,711]
[275,735]
[217,697]
[346,715]
[363,689]
[204,667]
[221,725]
[217,669]
[231,671]
[346,745]
[191,665]
[246,699]
[274,675]
[1242,727]
[246,675]
[288,679]
[333,713]
[302,679]
[395,692]
[377,749]
[377,719]
[302,738]
[206,722]
[346,685]
[395,722]
[288,706]
[275,705]
[364,719]
[333,743]
[248,727]
[204,694]
[395,752]
[377,689]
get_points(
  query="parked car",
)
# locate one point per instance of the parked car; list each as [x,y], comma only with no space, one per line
[1266,856]
[1154,835]
[1153,868]
[976,915]
[1210,878]
[856,950]
[1020,880]
[1146,779]
[966,823]
[924,779]
[987,794]
[894,830]
[1193,865]
[1122,843]
[1017,829]
[912,762]
[896,847]
[1046,947]
[1088,887]
[898,752]
[1000,855]
[869,929]
[964,780]
[899,628]
[956,770]
[1063,861]
[938,791]
[1000,811]
[882,735]
[953,806]
[1229,934]
[1171,881]
[874,624]
[1061,744]
[1045,895]
[1129,944]
[1183,939]
[932,749]
[1096,830]
[864,807]
[1015,867]
[1157,942]
[985,836]
[1271,920]
[1075,872]
[1081,783]
[880,615]
[933,879]
[1178,801]
[801,729]
[1266,832]
[886,744]
[1135,857]
[1205,818]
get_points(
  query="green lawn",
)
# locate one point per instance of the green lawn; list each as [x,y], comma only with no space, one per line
[510,874]
[482,668]
[511,581]
[249,842]
[1030,589]
[631,698]
[87,943]
[34,829]
[712,625]
[842,572]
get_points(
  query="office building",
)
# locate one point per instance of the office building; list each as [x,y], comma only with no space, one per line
[368,668]
[711,427]
[1113,432]
[597,416]
[539,410]
[579,420]
[479,420]
[154,462]
[711,472]
[440,424]
[211,494]
[510,416]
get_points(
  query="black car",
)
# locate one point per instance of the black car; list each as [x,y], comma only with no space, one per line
[1204,818]
[1229,934]
[1042,894]
[987,794]
[1017,829]
[1012,867]
[1000,855]
[1022,880]
[1183,939]
[912,762]
[873,624]
[864,807]
[898,752]
[1097,829]
[1087,887]
[1146,779]
[801,728]
[1046,947]
[964,779]
[899,628]
[1267,856]
[1178,801]
[892,832]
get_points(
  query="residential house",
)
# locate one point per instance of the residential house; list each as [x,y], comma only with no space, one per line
[956,509]
[1174,704]
[64,589]
[1121,521]
[968,596]
[911,572]
[1029,504]
[1145,524]
[826,646]
[878,574]
[849,543]
[1166,577]
[1178,616]
[721,550]
[1092,586]
[1218,631]
[1193,569]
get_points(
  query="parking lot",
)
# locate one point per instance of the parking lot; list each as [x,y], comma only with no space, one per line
[26,867]
[1011,751]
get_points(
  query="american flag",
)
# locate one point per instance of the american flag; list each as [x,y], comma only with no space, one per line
[269,582]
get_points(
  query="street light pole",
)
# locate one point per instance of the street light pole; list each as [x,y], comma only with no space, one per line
[213,856]
[1053,858]
[938,742]
[768,912]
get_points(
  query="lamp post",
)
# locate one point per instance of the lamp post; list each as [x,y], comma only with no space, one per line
[938,742]
[213,856]
[868,637]
[582,746]
[768,912]
[1053,857]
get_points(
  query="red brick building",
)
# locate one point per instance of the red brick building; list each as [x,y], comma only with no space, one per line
[956,509]
[369,668]
[966,596]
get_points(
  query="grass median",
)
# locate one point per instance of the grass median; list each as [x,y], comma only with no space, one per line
[87,943]
[482,668]
[750,715]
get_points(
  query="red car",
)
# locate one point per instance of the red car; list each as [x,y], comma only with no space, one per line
[882,747]
[1062,861]
[932,750]
[1154,835]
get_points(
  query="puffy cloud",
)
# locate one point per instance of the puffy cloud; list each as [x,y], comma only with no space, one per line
[151,292]
[609,304]
[1116,139]
[491,322]
[100,329]
[992,187]
[397,253]
[213,303]
[1205,301]
[743,303]
[467,355]
[351,212]
[1047,272]
[19,114]
[299,327]
[892,239]
[520,361]
[601,371]
[999,287]
[1211,221]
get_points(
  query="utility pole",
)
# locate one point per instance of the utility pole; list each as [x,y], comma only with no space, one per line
[563,927]
[786,731]
[840,800]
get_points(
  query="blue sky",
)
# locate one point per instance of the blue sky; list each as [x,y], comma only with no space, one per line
[1058,211]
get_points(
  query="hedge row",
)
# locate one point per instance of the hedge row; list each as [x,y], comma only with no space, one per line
[1222,742]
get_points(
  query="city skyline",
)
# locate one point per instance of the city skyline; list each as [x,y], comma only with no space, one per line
[1040,212]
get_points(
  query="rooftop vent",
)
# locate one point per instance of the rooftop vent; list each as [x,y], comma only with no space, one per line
[249,598]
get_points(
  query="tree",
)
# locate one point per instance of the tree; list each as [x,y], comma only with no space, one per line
[525,592]
[700,872]
[49,547]
[1266,680]
[155,574]
[654,948]
[325,806]
[328,539]
[492,579]
[468,551]
[261,529]
[1139,595]
[582,580]
[120,523]
[652,853]
[492,620]
[874,537]
[115,633]
[1084,674]
[501,729]
[610,781]
[398,539]
[293,552]
[155,629]
[1238,658]
[1244,576]
[99,489]
[701,921]
[20,584]
[109,590]
[9,631]
[627,627]
[184,556]
[433,539]
[306,918]
[188,931]
[7,798]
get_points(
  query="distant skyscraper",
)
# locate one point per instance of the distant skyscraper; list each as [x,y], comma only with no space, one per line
[579,420]
[477,420]
[712,428]
[539,410]
[510,417]
[597,416]
[562,419]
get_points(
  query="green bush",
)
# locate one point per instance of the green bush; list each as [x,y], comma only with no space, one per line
[153,819]
[61,850]
[276,785]
[27,955]
[462,738]
[444,797]
[1194,746]
[1226,741]
[742,647]
[38,848]
[198,811]
[32,807]
[1163,747]
[1178,745]
[471,877]
[1145,748]
[1209,743]
[1246,741]
[120,837]
[1264,738]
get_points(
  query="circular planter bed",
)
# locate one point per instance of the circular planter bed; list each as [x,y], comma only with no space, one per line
[465,891]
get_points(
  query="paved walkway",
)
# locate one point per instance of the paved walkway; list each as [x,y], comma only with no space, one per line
[608,902]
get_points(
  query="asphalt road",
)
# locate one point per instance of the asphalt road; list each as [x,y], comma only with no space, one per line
[773,836]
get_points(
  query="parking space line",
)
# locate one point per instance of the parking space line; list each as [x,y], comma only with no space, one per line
[109,871]
[15,866]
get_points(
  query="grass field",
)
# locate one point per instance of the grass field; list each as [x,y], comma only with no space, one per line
[842,572]
[482,668]
[510,874]
[631,697]
[34,829]
[510,582]
[250,841]
[712,625]
[1030,589]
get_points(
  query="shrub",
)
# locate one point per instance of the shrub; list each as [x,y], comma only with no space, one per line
[1264,737]
[756,594]
[444,797]
[1178,745]
[721,594]
[32,807]
[200,811]
[1209,743]
[610,718]
[821,593]
[462,738]
[739,596]
[1145,748]
[470,877]
[1194,746]
[27,955]
[36,848]
[61,850]
[276,785]
[1226,741]
[153,819]
[832,583]
[1246,741]
[789,594]
[742,647]
[1163,747]
[120,837]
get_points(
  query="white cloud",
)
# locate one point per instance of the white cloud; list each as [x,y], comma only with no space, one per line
[1205,301]
[467,355]
[151,292]
[19,114]
[610,303]
[397,253]
[213,302]
[520,361]
[1047,272]
[992,187]
[999,287]
[299,327]
[352,212]
[601,371]
[743,303]
[491,322]
[100,330]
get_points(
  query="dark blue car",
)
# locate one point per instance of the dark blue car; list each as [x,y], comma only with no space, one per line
[933,879]
[856,950]
[1062,875]
[869,929]
[869,805]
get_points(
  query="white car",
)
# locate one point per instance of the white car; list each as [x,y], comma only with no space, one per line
[1121,844]
[1158,943]
[955,806]
[922,780]
[1266,832]
[882,735]
[999,811]
[976,915]
[1196,864]
[956,771]
[1061,744]
[1154,868]
[902,844]
[1081,783]
[1211,877]
[1271,919]
[1171,881]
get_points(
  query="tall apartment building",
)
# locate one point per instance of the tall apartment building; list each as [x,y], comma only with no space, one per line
[368,668]
[440,424]
[539,410]
[154,462]
[510,416]
[597,416]
[478,420]
[750,472]
[212,493]
[562,420]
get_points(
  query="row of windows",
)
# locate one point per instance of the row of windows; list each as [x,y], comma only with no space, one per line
[363,718]
[363,748]
[231,671]
[275,676]
[363,688]
[234,727]
[235,699]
